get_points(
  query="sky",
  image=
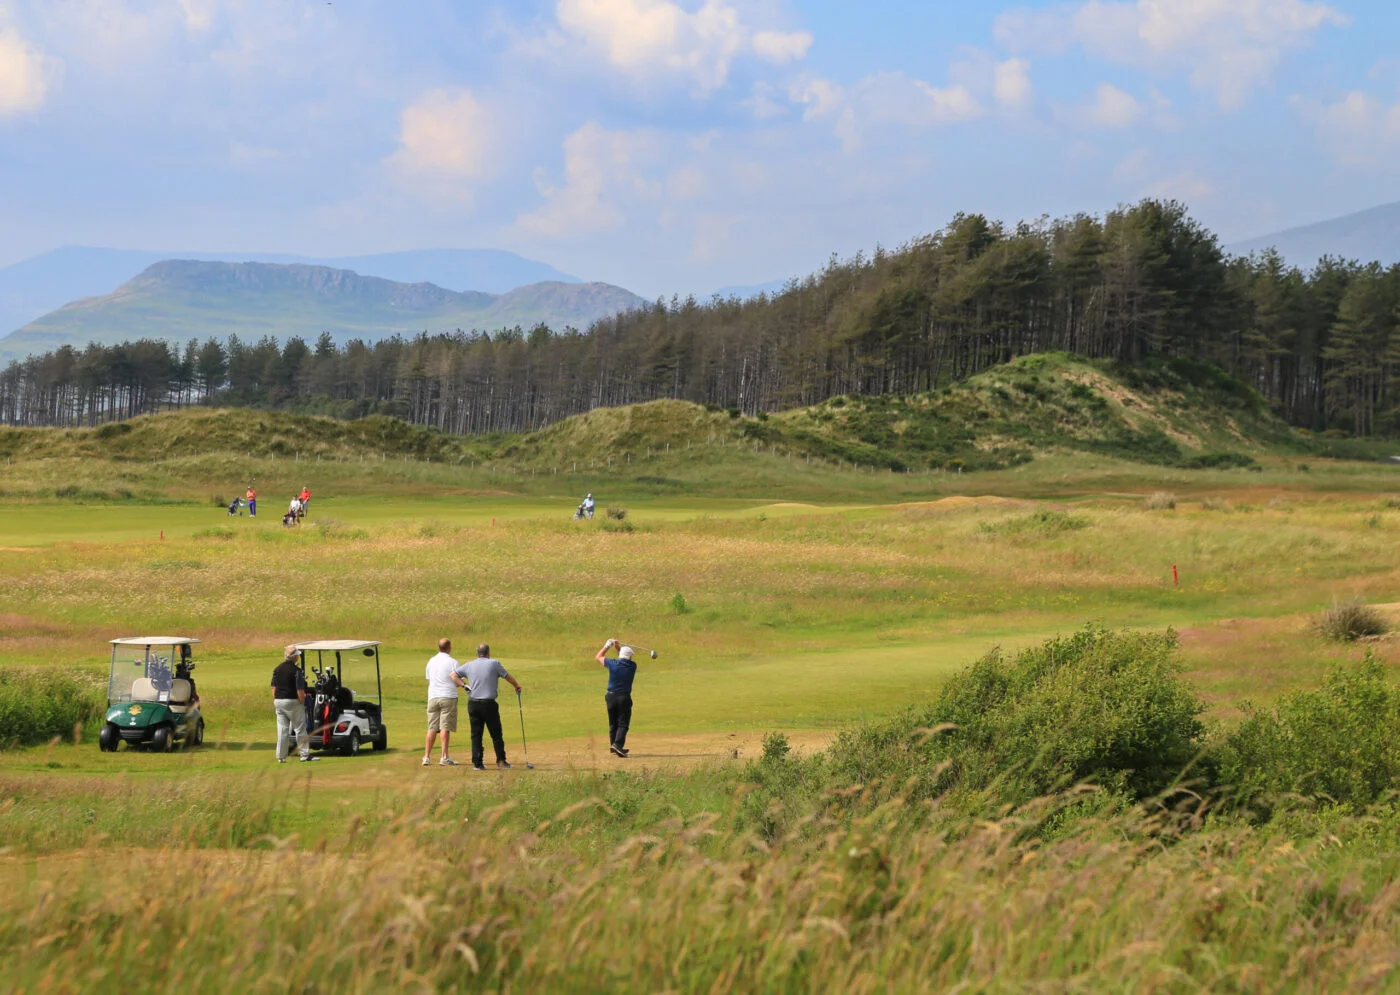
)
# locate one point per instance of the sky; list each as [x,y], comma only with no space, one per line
[676,146]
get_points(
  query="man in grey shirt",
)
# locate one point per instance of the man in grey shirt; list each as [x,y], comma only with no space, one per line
[482,677]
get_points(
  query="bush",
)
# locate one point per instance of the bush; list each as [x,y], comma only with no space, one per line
[1214,504]
[1350,620]
[37,705]
[678,604]
[1099,706]
[1341,741]
[1219,461]
[617,514]
[1161,501]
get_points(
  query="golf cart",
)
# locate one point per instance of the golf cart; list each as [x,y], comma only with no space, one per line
[337,719]
[150,699]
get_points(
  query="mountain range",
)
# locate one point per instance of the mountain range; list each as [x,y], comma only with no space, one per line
[47,282]
[181,299]
[1371,235]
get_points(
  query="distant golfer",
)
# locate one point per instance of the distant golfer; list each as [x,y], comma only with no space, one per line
[483,677]
[621,671]
[252,498]
[305,498]
[294,510]
[443,682]
[588,505]
[289,703]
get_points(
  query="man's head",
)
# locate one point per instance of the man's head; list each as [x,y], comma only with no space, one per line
[289,654]
[483,650]
[444,646]
[625,653]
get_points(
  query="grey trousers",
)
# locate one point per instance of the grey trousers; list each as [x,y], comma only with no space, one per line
[291,714]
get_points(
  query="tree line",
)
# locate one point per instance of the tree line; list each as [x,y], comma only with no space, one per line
[1321,345]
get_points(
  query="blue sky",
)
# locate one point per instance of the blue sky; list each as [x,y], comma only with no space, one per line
[676,145]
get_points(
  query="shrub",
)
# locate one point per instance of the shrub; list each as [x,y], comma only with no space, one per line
[1341,741]
[678,604]
[1214,504]
[36,706]
[1100,706]
[1350,620]
[1219,461]
[1161,501]
[617,514]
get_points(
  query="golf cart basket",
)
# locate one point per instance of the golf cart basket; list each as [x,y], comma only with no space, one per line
[340,720]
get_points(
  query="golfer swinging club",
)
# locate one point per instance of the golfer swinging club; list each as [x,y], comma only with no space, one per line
[621,672]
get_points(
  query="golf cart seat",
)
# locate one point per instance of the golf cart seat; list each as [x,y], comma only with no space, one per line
[180,693]
[144,689]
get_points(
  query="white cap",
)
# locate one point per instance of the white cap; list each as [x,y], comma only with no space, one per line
[625,653]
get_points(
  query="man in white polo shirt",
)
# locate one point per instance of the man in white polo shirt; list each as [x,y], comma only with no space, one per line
[443,683]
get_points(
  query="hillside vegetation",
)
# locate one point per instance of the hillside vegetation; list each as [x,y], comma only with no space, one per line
[1166,413]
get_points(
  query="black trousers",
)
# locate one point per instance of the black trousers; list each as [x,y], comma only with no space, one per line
[619,718]
[485,713]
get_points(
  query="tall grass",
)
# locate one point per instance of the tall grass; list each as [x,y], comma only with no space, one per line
[38,705]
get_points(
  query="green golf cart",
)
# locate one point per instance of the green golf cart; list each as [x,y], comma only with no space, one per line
[150,696]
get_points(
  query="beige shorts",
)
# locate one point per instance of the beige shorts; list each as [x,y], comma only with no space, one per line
[442,714]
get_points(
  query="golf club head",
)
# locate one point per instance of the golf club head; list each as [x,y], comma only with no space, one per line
[653,654]
[529,766]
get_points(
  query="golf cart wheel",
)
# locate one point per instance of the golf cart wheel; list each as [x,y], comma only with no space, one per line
[352,748]
[109,738]
[196,738]
[381,738]
[160,739]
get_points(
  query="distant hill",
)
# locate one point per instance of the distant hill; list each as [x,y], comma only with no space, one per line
[183,299]
[1163,412]
[47,282]
[1372,235]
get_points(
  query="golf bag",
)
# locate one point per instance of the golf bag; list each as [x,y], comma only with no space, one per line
[578,513]
[329,699]
[233,508]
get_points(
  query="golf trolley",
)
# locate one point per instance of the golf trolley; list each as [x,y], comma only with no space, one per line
[336,719]
[149,702]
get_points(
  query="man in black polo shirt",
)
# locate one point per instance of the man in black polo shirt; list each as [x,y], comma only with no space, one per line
[289,704]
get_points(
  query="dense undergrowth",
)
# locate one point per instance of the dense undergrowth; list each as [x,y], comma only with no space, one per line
[38,705]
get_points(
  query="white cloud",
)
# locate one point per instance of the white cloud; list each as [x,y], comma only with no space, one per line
[1113,108]
[26,74]
[782,46]
[603,172]
[448,138]
[882,100]
[646,39]
[1011,84]
[1187,187]
[1227,47]
[199,14]
[1359,129]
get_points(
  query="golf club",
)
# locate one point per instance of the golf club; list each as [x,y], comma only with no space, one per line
[639,646]
[525,747]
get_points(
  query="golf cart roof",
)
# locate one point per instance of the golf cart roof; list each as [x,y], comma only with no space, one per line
[331,645]
[154,641]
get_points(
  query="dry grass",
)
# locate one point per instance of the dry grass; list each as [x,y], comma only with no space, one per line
[1160,501]
[454,897]
[1350,620]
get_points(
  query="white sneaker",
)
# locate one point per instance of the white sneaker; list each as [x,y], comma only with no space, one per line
[426,762]
[447,762]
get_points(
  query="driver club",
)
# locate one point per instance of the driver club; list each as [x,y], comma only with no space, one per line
[524,746]
[644,649]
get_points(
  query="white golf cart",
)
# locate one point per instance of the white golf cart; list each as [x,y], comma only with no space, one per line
[150,695]
[338,719]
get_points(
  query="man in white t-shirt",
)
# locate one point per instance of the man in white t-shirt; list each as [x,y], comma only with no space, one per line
[443,684]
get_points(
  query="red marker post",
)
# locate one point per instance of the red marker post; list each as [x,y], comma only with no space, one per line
[1176,580]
